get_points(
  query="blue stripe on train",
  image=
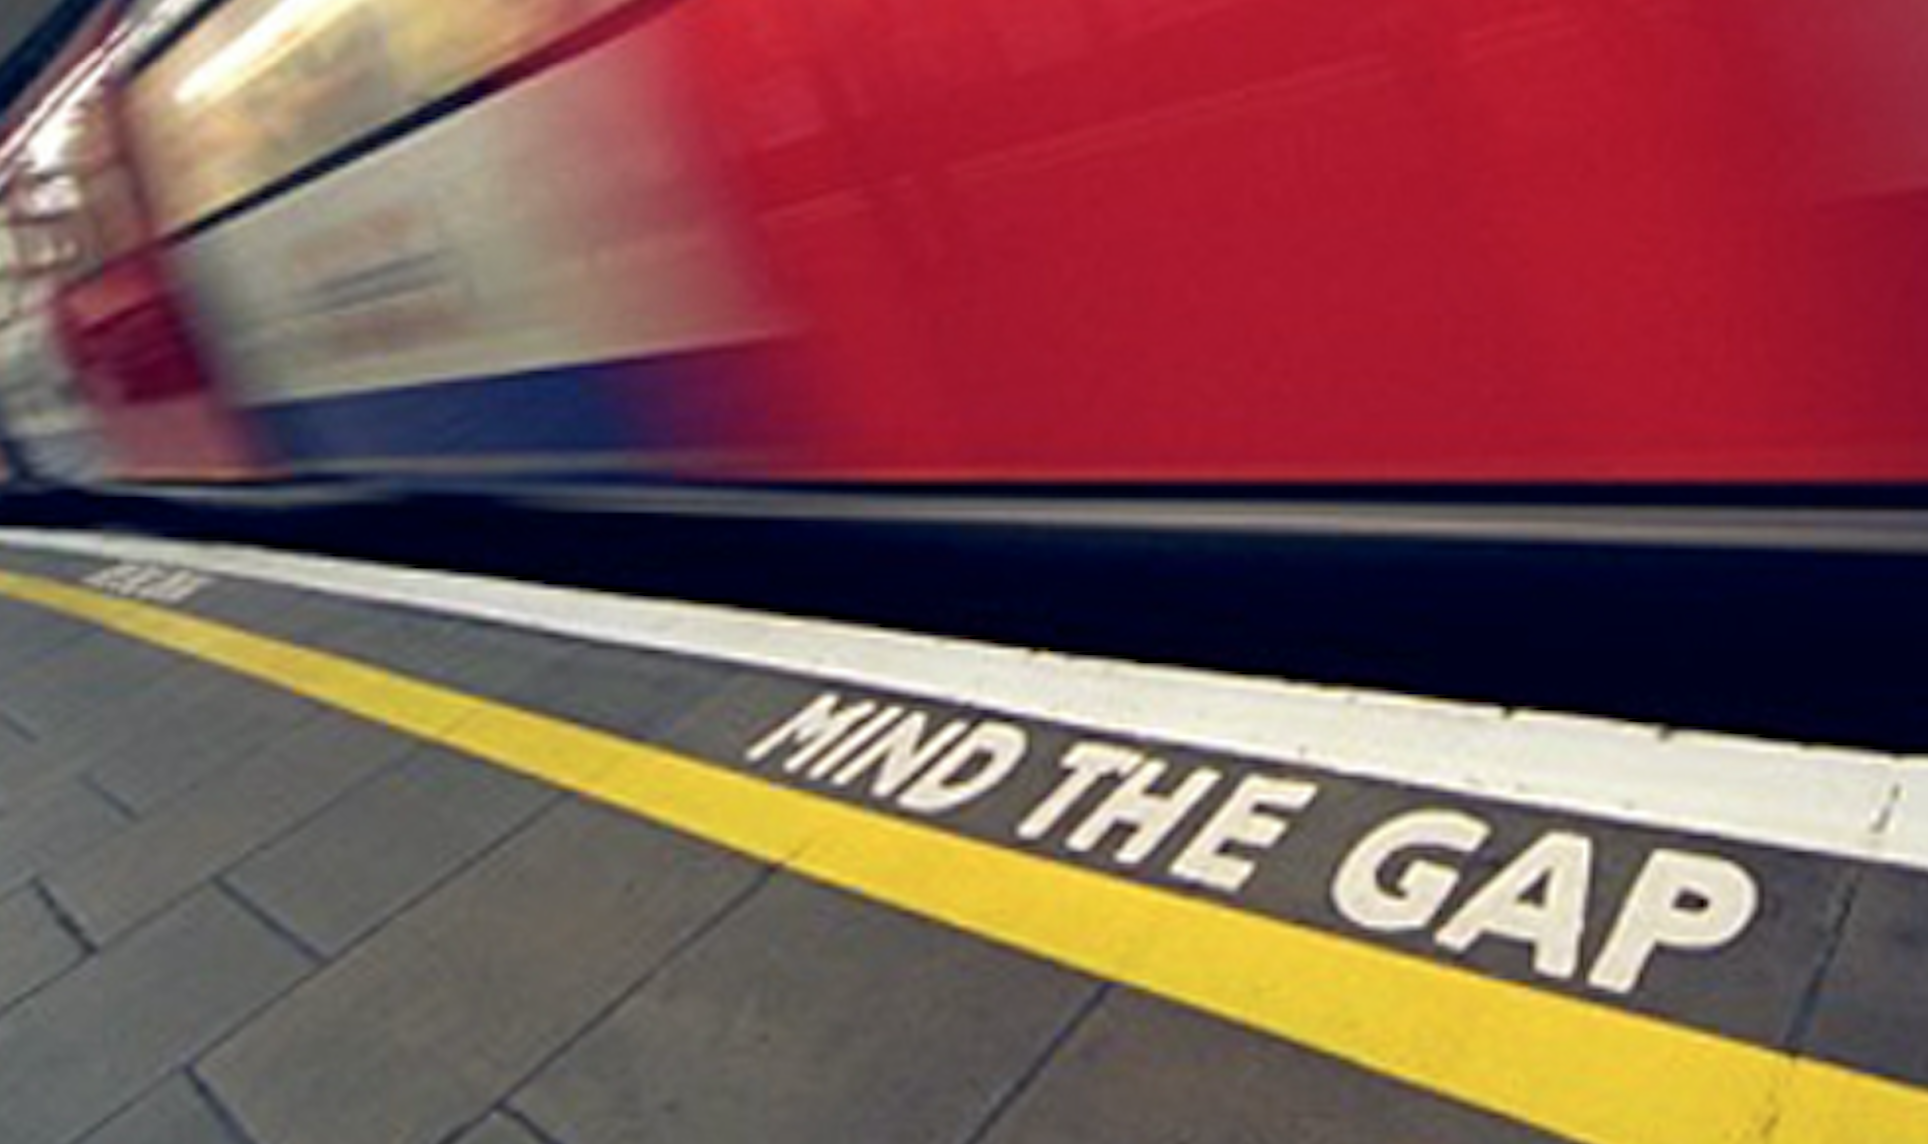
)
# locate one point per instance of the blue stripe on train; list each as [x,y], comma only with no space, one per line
[677,401]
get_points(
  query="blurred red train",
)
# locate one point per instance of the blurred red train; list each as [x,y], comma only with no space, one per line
[1052,241]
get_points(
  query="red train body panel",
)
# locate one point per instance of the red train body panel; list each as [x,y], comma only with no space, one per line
[1285,239]
[1040,240]
[138,369]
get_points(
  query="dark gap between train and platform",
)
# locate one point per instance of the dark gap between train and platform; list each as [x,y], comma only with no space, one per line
[1793,644]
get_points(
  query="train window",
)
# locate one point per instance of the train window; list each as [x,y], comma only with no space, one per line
[71,204]
[442,46]
[59,244]
[260,88]
[264,87]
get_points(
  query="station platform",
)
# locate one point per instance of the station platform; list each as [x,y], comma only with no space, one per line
[305,851]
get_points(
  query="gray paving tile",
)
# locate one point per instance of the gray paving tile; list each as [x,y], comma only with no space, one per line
[34,949]
[107,1032]
[266,609]
[351,867]
[812,1016]
[424,1027]
[81,683]
[174,1113]
[1873,1007]
[71,750]
[1142,1071]
[54,825]
[276,611]
[482,659]
[49,565]
[498,1130]
[29,634]
[198,739]
[164,740]
[636,694]
[165,856]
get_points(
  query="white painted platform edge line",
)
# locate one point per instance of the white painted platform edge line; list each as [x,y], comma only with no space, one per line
[1824,800]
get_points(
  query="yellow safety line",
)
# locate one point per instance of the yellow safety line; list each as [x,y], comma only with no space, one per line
[1573,1068]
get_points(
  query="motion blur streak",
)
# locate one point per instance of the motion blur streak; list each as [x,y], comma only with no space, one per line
[1044,240]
